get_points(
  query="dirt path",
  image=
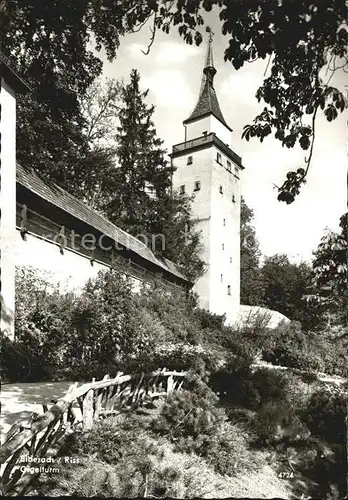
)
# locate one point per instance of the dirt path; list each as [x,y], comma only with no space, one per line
[22,399]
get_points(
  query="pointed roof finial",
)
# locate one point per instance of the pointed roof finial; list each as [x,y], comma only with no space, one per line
[207,100]
[211,33]
[209,62]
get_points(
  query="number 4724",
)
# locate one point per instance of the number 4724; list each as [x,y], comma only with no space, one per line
[286,475]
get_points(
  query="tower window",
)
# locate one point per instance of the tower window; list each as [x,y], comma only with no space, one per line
[229,166]
[236,171]
[233,199]
[221,277]
[219,158]
[189,160]
[228,289]
[230,260]
[197,186]
[223,246]
[224,222]
[182,189]
[220,190]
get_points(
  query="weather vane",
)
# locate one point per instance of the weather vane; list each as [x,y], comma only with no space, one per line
[211,33]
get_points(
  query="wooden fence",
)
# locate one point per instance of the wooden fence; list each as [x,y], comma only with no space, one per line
[41,436]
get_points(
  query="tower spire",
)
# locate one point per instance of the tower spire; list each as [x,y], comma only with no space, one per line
[207,101]
[209,69]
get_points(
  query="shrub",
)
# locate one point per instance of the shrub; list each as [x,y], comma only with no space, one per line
[85,371]
[163,473]
[325,416]
[178,356]
[17,363]
[102,319]
[190,418]
[142,461]
[239,385]
[271,385]
[110,440]
[193,423]
[208,320]
[269,421]
[229,452]
[42,324]
[287,345]
[175,311]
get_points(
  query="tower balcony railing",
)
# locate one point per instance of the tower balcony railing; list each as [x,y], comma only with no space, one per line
[202,141]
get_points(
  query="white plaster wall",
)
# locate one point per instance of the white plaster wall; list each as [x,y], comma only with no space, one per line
[196,128]
[212,206]
[8,205]
[70,270]
[208,124]
[199,170]
[225,241]
[220,130]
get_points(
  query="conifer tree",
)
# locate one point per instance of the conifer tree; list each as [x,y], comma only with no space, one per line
[141,172]
[252,285]
[138,193]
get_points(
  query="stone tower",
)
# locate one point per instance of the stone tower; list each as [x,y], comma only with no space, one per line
[208,168]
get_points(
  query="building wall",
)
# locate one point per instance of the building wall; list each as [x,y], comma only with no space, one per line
[70,270]
[219,222]
[8,205]
[220,130]
[208,124]
[186,175]
[225,239]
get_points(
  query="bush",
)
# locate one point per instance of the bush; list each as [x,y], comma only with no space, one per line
[287,345]
[140,457]
[109,440]
[192,421]
[102,320]
[161,473]
[229,452]
[271,420]
[42,325]
[239,385]
[178,356]
[176,313]
[190,418]
[325,416]
[271,386]
[17,363]
[208,320]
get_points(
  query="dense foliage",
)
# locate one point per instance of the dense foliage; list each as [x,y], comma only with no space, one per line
[329,287]
[311,293]
[285,285]
[251,279]
[228,414]
[108,328]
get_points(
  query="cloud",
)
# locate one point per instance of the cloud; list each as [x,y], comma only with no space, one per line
[173,52]
[169,88]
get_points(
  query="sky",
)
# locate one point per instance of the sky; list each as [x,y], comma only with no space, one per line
[172,72]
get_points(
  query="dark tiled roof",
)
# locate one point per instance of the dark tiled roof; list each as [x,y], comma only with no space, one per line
[62,199]
[207,103]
